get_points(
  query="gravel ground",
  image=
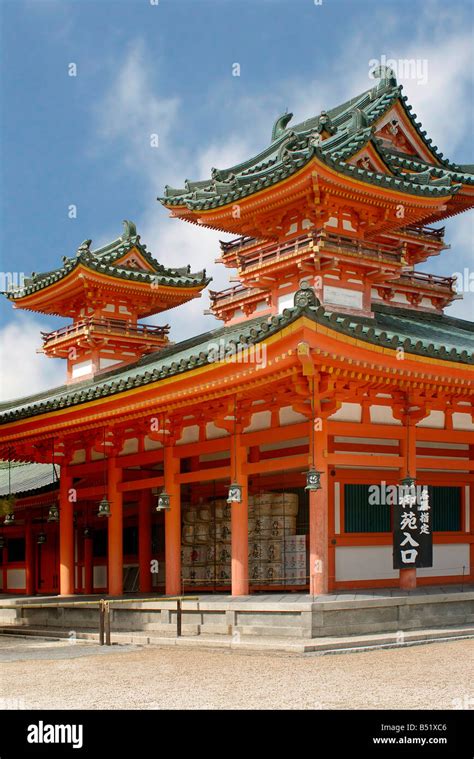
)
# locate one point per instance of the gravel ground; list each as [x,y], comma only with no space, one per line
[58,675]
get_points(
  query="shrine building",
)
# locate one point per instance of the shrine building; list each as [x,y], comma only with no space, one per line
[264,454]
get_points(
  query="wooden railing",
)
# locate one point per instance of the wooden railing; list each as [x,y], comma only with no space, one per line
[419,230]
[429,279]
[113,326]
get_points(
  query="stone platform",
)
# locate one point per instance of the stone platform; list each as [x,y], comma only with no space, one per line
[282,616]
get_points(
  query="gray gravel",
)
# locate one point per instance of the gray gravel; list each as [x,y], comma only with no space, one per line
[58,675]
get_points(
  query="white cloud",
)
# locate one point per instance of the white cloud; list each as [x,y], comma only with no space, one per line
[24,371]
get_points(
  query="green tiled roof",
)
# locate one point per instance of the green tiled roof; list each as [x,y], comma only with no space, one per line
[422,334]
[26,477]
[103,260]
[351,127]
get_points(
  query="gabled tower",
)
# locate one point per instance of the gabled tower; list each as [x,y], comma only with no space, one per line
[105,292]
[343,201]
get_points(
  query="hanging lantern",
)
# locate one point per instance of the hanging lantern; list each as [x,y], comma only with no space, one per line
[53,514]
[104,508]
[163,503]
[235,493]
[41,538]
[2,542]
[313,479]
[9,519]
[87,532]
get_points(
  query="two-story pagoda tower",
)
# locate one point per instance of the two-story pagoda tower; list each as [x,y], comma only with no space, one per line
[344,201]
[106,292]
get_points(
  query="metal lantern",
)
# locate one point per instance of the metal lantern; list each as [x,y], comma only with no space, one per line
[235,493]
[163,503]
[104,508]
[53,514]
[313,479]
[41,538]
[9,519]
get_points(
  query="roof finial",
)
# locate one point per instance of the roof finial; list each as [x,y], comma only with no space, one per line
[279,127]
[129,230]
[386,75]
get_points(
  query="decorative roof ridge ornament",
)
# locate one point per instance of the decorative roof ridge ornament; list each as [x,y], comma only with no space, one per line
[359,120]
[306,297]
[387,79]
[129,230]
[84,248]
[279,127]
[325,124]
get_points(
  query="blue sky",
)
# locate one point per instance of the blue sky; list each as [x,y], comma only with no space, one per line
[167,69]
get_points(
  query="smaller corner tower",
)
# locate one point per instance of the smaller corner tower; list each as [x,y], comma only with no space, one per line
[105,293]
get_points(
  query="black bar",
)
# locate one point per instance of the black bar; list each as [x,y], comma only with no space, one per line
[178,618]
[101,622]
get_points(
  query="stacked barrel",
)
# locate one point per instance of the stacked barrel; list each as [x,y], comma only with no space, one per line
[277,555]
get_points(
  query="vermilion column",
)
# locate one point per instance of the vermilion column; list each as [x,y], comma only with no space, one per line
[88,566]
[408,576]
[172,525]
[144,540]
[115,547]
[319,518]
[240,522]
[29,559]
[66,534]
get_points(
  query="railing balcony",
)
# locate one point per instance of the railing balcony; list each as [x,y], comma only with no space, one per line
[229,295]
[431,280]
[421,231]
[112,327]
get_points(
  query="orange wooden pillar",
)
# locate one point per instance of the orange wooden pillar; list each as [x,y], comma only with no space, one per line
[115,530]
[408,576]
[240,521]
[319,518]
[66,534]
[172,524]
[29,559]
[88,566]
[144,541]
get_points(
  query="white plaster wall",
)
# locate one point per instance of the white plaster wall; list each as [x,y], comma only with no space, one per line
[349,412]
[259,421]
[462,421]
[288,416]
[375,562]
[190,435]
[213,432]
[100,577]
[337,508]
[435,420]
[383,415]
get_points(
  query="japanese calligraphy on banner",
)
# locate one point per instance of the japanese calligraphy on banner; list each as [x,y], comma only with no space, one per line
[412,533]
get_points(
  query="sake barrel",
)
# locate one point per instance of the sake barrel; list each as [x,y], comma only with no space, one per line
[274,572]
[256,550]
[263,504]
[223,554]
[188,533]
[282,526]
[205,514]
[190,516]
[201,532]
[285,503]
[273,550]
[262,527]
